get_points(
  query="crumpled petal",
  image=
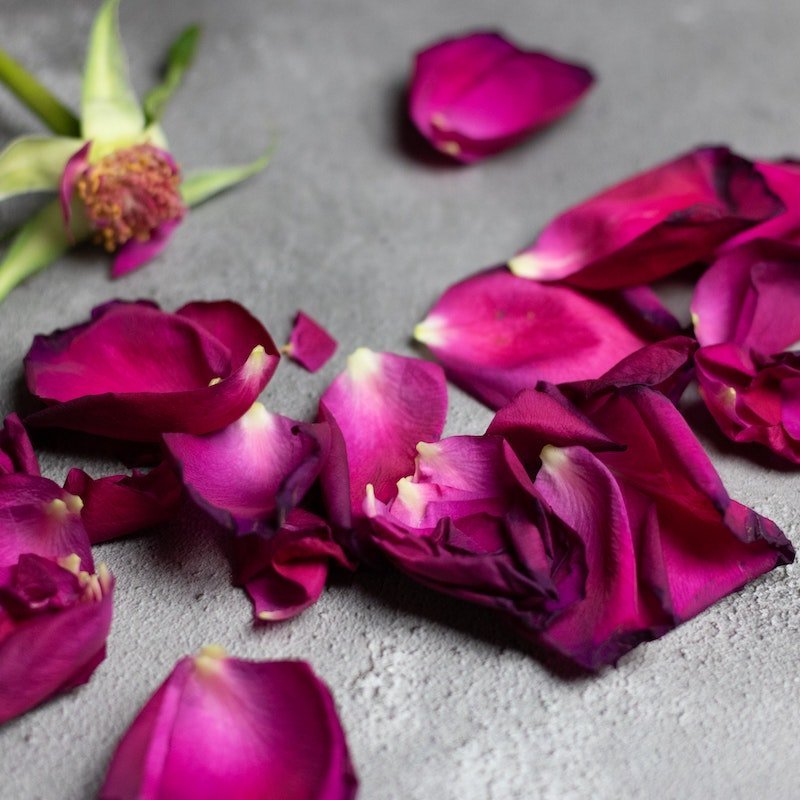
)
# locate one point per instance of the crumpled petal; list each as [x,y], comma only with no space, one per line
[750,296]
[663,539]
[652,224]
[57,639]
[251,473]
[136,253]
[753,399]
[16,450]
[310,345]
[134,372]
[469,523]
[118,505]
[284,572]
[496,334]
[478,94]
[378,409]
[223,727]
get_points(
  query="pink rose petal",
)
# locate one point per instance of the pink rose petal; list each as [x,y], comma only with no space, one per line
[75,165]
[220,727]
[653,224]
[16,450]
[310,345]
[478,94]
[135,372]
[136,253]
[496,334]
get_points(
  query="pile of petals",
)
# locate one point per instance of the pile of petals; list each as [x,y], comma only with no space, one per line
[580,298]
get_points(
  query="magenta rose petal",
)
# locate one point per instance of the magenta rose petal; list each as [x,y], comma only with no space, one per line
[136,253]
[470,524]
[478,94]
[284,572]
[251,473]
[75,165]
[135,372]
[224,727]
[54,621]
[496,334]
[310,345]
[653,224]
[16,450]
[378,409]
[118,505]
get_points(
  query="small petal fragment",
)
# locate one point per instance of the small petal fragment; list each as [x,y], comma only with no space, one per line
[310,345]
[134,372]
[378,409]
[653,224]
[476,95]
[496,334]
[16,450]
[223,727]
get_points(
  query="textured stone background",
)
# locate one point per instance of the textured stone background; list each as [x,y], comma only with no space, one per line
[350,226]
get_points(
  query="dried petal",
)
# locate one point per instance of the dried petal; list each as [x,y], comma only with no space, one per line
[310,345]
[222,727]
[476,95]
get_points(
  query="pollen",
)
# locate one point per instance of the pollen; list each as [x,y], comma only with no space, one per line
[129,193]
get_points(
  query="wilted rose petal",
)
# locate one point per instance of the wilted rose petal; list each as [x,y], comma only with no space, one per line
[378,409]
[251,473]
[663,539]
[478,94]
[222,727]
[284,571]
[310,345]
[16,450]
[54,621]
[136,253]
[135,372]
[496,334]
[470,524]
[118,505]
[653,224]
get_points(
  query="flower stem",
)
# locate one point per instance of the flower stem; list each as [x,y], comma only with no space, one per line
[37,98]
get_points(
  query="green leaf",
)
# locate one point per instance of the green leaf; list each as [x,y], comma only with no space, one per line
[37,98]
[179,59]
[34,164]
[109,108]
[37,245]
[199,186]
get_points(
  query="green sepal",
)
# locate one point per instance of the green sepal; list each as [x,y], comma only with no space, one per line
[199,186]
[38,99]
[179,58]
[34,164]
[109,107]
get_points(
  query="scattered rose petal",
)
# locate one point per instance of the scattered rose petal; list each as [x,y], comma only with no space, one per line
[284,572]
[310,345]
[470,524]
[250,474]
[378,409]
[119,505]
[663,539]
[478,94]
[496,334]
[16,450]
[222,727]
[135,372]
[653,224]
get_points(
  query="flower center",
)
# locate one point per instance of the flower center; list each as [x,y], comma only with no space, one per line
[129,193]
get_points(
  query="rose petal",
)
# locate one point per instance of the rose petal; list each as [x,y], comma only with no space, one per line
[135,372]
[378,409]
[310,345]
[75,165]
[221,727]
[478,94]
[254,471]
[135,253]
[16,450]
[653,224]
[497,334]
[119,505]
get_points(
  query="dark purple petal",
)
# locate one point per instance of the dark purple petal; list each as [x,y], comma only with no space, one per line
[476,95]
[220,727]
[310,345]
[16,450]
[653,224]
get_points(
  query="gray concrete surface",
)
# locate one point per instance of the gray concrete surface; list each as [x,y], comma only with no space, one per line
[347,225]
